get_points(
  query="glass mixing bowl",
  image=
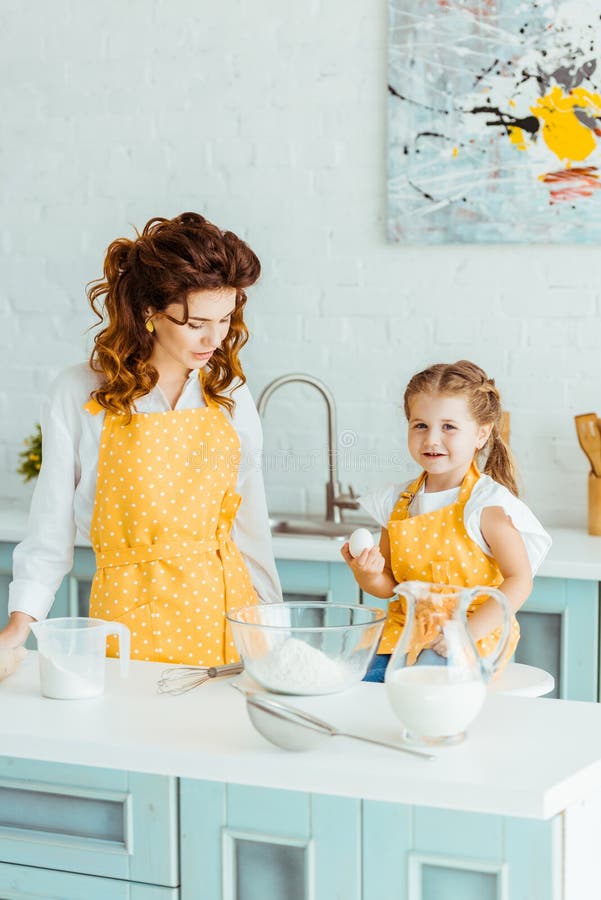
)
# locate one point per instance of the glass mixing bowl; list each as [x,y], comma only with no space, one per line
[306,648]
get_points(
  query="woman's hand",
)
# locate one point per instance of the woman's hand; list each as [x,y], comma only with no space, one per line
[10,659]
[16,631]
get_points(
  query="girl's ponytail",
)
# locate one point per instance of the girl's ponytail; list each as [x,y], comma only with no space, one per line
[499,462]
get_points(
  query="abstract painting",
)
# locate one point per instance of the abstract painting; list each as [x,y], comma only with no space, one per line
[494,121]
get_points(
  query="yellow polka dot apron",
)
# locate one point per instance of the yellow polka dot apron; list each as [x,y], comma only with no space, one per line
[165,563]
[436,547]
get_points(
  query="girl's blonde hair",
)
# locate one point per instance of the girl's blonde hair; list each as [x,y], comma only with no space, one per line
[160,266]
[484,403]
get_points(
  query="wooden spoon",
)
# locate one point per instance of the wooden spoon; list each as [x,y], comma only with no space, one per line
[505,426]
[589,438]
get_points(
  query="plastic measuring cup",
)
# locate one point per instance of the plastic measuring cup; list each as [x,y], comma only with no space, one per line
[72,655]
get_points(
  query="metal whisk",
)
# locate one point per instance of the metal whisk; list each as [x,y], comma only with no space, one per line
[181,679]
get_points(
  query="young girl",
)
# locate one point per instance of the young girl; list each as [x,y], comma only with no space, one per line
[452,525]
[150,451]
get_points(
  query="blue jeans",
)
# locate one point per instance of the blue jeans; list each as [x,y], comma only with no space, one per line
[377,667]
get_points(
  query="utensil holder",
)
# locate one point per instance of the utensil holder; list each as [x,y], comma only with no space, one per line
[594,504]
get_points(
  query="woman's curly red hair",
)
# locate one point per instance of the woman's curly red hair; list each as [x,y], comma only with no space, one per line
[167,260]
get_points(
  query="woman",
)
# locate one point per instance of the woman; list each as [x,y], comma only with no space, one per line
[152,451]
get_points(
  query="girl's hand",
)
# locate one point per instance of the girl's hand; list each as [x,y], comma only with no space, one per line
[440,646]
[370,562]
[371,569]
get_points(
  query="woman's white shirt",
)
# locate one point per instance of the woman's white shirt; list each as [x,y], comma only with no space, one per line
[486,492]
[63,499]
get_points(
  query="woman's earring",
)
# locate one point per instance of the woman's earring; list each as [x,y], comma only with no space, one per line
[149,325]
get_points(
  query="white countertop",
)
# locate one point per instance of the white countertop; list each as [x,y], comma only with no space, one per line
[523,757]
[574,553]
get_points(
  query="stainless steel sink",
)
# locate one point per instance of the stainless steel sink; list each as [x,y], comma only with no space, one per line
[336,531]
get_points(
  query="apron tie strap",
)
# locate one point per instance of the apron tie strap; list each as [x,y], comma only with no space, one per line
[126,556]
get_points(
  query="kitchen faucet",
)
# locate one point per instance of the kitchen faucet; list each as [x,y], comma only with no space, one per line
[335,499]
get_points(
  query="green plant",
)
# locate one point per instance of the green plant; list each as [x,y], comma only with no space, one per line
[31,457]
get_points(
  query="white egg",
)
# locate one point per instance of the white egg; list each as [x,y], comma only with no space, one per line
[360,540]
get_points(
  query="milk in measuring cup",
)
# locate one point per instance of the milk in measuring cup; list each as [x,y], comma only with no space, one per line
[73,683]
[72,655]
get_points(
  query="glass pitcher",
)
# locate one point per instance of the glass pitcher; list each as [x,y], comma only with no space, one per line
[437,696]
[72,655]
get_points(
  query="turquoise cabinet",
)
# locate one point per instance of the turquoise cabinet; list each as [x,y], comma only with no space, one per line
[317,581]
[79,580]
[422,853]
[257,843]
[559,626]
[253,844]
[60,840]
[97,822]
[30,883]
[69,832]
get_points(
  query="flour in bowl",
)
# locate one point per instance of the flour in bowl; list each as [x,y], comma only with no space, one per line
[297,668]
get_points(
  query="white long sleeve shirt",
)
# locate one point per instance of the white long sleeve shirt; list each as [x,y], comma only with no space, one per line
[63,500]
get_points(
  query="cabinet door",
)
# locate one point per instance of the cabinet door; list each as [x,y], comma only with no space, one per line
[423,853]
[264,844]
[27,883]
[559,626]
[87,820]
[6,564]
[310,581]
[80,581]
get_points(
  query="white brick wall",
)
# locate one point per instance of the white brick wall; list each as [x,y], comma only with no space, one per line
[270,118]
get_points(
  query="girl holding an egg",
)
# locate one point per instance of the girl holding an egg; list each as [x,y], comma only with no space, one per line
[451,525]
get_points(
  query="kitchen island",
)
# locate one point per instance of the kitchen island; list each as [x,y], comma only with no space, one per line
[155,797]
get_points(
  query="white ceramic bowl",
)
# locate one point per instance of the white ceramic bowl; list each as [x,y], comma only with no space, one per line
[306,648]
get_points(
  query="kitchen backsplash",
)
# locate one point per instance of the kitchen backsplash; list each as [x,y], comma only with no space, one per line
[270,118]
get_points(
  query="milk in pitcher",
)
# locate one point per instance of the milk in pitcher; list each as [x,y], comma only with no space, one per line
[431,704]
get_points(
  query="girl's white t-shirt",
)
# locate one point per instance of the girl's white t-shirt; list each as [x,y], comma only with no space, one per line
[486,492]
